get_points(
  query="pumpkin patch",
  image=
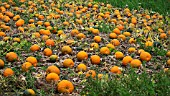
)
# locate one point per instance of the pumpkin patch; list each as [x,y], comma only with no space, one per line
[58,47]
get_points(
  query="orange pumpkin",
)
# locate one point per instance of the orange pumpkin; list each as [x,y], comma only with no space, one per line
[126,60]
[145,56]
[81,67]
[74,32]
[117,31]
[131,50]
[52,77]
[20,22]
[115,69]
[95,59]
[95,31]
[168,54]
[91,73]
[105,50]
[81,36]
[119,55]
[97,39]
[94,45]
[82,55]
[1,63]
[115,42]
[135,63]
[2,34]
[34,48]
[8,72]
[32,60]
[26,66]
[29,92]
[66,50]
[47,52]
[113,35]
[50,42]
[65,86]
[53,69]
[68,63]
[11,56]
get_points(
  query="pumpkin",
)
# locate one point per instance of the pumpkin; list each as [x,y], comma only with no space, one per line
[66,50]
[26,66]
[1,63]
[8,72]
[47,52]
[94,45]
[82,55]
[68,63]
[119,55]
[29,92]
[95,59]
[65,86]
[53,69]
[126,60]
[53,58]
[81,67]
[34,48]
[20,22]
[115,69]
[131,50]
[97,39]
[105,51]
[135,63]
[91,73]
[50,42]
[52,77]
[32,60]
[11,56]
[145,56]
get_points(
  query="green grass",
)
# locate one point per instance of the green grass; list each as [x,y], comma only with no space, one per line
[131,84]
[161,6]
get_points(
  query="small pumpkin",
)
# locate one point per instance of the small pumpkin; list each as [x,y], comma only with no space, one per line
[119,55]
[47,52]
[53,58]
[145,56]
[68,63]
[91,73]
[53,69]
[34,48]
[8,72]
[66,50]
[20,22]
[115,69]
[65,86]
[26,66]
[82,55]
[32,60]
[29,92]
[97,39]
[131,50]
[100,76]
[126,60]
[105,50]
[1,63]
[135,63]
[50,42]
[95,59]
[94,45]
[168,54]
[52,77]
[168,62]
[81,67]
[11,56]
